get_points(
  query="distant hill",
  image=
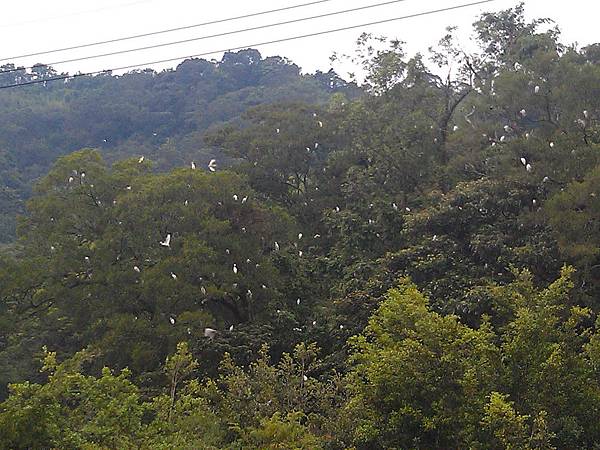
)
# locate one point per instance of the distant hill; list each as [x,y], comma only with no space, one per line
[162,115]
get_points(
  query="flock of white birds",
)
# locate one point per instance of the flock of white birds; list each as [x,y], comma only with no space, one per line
[212,167]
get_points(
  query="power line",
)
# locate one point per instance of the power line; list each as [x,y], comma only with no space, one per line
[225,33]
[275,41]
[170,30]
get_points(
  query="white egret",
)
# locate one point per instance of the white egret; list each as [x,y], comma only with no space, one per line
[276,246]
[523,161]
[167,241]
[212,165]
[528,167]
[173,276]
[235,269]
[172,320]
[231,328]
[141,160]
[193,165]
[137,269]
[210,333]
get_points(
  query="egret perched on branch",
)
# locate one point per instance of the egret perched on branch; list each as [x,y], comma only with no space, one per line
[141,160]
[210,333]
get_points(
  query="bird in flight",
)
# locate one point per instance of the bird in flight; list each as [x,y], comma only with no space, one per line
[167,241]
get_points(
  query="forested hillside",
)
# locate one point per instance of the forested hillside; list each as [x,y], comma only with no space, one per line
[414,268]
[162,115]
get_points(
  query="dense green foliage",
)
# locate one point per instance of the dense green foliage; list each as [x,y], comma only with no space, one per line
[414,268]
[162,115]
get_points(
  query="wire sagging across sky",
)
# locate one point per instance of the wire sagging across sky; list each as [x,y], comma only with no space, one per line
[169,30]
[256,44]
[211,36]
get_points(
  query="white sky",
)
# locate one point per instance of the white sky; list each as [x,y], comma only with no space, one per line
[37,25]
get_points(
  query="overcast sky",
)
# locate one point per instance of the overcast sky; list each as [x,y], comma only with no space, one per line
[35,25]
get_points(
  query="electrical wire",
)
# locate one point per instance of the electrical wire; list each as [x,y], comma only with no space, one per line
[211,36]
[169,30]
[274,41]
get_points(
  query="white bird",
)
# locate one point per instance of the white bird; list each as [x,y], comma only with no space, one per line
[528,167]
[173,276]
[212,165]
[337,209]
[82,174]
[203,290]
[235,197]
[235,269]
[193,165]
[299,236]
[395,206]
[245,199]
[249,293]
[518,66]
[210,333]
[455,128]
[314,322]
[316,145]
[186,203]
[586,114]
[523,161]
[320,124]
[141,160]
[467,117]
[87,259]
[317,236]
[276,246]
[304,377]
[523,113]
[341,327]
[277,130]
[300,253]
[502,138]
[527,135]
[231,328]
[507,128]
[536,89]
[167,241]
[551,144]
[545,180]
[172,320]
[227,251]
[137,269]
[128,188]
[534,201]
[297,301]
